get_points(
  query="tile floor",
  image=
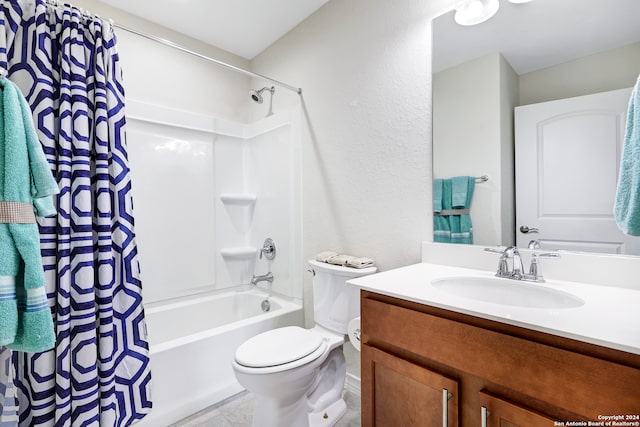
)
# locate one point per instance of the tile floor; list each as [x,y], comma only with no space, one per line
[236,412]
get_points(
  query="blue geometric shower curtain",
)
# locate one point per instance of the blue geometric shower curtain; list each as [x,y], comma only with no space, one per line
[67,67]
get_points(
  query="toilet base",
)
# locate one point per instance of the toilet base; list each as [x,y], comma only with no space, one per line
[329,416]
[299,397]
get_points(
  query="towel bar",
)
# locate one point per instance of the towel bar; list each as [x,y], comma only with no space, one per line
[448,212]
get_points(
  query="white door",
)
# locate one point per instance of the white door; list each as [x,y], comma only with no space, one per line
[567,160]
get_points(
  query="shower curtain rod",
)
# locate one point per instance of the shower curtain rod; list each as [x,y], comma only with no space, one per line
[207,58]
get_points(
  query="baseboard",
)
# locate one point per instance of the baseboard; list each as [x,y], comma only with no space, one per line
[352,384]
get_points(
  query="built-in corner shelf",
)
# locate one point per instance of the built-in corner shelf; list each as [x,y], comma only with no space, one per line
[238,198]
[242,201]
[241,252]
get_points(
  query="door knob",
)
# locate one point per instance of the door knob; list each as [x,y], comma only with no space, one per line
[524,229]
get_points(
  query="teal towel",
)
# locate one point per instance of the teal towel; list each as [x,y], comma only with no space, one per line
[437,195]
[8,309]
[441,224]
[25,177]
[627,205]
[462,192]
[457,193]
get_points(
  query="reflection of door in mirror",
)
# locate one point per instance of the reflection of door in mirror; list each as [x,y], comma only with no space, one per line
[567,161]
[528,53]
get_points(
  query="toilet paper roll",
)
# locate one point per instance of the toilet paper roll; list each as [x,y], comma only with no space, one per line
[353,329]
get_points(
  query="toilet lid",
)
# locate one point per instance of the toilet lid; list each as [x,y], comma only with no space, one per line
[277,347]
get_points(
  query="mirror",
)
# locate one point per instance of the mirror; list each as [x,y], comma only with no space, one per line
[527,53]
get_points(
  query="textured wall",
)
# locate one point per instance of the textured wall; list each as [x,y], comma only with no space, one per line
[365,69]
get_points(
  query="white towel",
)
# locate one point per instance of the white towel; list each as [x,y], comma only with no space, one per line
[325,256]
[361,262]
[335,258]
[340,259]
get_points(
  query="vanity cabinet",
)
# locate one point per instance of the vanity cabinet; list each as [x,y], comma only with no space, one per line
[407,394]
[498,412]
[521,377]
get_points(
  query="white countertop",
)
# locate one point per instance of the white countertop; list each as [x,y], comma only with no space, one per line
[610,316]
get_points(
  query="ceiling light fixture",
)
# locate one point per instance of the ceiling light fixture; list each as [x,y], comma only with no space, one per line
[472,12]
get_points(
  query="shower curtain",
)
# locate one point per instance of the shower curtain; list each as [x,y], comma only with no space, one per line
[67,67]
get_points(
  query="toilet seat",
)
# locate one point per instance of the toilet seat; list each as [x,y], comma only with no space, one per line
[280,349]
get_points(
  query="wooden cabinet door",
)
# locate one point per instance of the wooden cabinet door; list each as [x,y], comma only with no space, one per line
[502,413]
[396,392]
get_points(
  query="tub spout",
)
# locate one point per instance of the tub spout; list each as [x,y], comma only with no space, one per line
[264,278]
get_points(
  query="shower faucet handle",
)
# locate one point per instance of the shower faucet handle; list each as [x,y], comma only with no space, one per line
[268,249]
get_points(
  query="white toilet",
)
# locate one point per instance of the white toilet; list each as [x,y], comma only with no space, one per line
[297,375]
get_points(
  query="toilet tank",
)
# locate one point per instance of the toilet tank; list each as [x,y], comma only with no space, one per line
[335,302]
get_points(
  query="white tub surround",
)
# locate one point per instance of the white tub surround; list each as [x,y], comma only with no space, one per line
[609,316]
[207,192]
[192,342]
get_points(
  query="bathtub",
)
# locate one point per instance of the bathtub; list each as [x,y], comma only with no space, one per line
[192,343]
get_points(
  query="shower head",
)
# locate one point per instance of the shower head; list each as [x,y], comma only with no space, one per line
[256,95]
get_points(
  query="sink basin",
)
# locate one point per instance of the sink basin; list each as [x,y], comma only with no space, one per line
[507,292]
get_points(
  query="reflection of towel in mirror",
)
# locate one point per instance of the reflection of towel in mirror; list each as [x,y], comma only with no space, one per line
[437,195]
[441,227]
[627,205]
[448,226]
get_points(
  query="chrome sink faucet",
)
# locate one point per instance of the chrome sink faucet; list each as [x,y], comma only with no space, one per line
[264,278]
[517,267]
[510,252]
[535,274]
[517,272]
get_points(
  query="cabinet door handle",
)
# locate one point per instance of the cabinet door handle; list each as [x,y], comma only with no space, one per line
[445,407]
[484,414]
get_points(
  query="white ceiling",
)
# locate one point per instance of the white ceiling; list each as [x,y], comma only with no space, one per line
[531,35]
[539,34]
[243,27]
